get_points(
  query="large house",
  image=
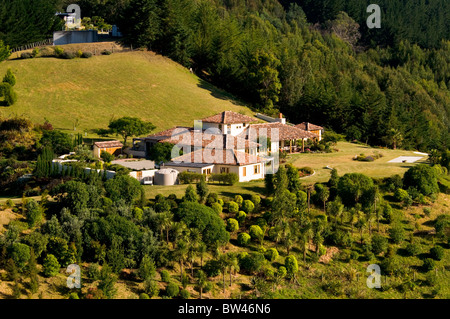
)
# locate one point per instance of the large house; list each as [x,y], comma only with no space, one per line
[228,142]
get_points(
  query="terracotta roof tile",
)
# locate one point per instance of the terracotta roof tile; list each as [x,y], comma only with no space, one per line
[224,141]
[285,132]
[309,126]
[223,157]
[108,144]
[229,117]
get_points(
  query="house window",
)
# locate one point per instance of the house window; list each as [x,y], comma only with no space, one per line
[244,171]
[139,175]
[256,169]
[224,169]
[207,171]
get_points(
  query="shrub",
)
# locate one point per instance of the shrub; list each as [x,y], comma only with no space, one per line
[73,295]
[8,93]
[240,217]
[422,177]
[291,265]
[144,296]
[252,262]
[58,50]
[392,265]
[428,264]
[20,253]
[189,177]
[271,254]
[172,290]
[413,249]
[93,271]
[388,214]
[224,178]
[217,208]
[212,198]
[256,199]
[233,207]
[397,233]
[35,52]
[51,266]
[281,272]
[243,239]
[9,78]
[151,287]
[379,244]
[256,233]
[220,201]
[26,55]
[165,276]
[437,252]
[239,200]
[184,294]
[212,268]
[106,52]
[401,195]
[304,171]
[248,206]
[68,55]
[107,157]
[47,52]
[232,225]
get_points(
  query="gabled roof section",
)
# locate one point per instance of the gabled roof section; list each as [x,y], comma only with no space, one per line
[188,135]
[108,144]
[222,157]
[285,132]
[309,126]
[229,117]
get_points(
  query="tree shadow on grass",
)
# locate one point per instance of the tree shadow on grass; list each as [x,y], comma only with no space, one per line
[402,252]
[218,93]
[423,256]
[245,287]
[256,189]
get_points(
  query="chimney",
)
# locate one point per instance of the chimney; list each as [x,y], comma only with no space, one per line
[280,115]
[307,126]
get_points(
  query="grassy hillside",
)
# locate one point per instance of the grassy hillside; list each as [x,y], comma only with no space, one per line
[94,90]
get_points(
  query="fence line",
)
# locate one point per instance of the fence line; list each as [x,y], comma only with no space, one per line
[33,45]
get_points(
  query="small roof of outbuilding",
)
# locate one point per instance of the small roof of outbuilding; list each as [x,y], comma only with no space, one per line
[108,144]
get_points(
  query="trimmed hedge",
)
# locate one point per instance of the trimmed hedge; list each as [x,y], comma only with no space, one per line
[189,177]
[224,178]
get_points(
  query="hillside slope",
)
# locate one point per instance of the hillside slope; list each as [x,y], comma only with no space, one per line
[94,90]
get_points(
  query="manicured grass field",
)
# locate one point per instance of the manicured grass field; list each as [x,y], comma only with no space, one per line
[94,90]
[343,162]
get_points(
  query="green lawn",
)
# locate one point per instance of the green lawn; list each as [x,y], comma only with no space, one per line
[94,90]
[343,162]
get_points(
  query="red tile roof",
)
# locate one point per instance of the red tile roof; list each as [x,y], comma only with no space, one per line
[224,141]
[309,126]
[229,117]
[223,157]
[285,132]
[108,144]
